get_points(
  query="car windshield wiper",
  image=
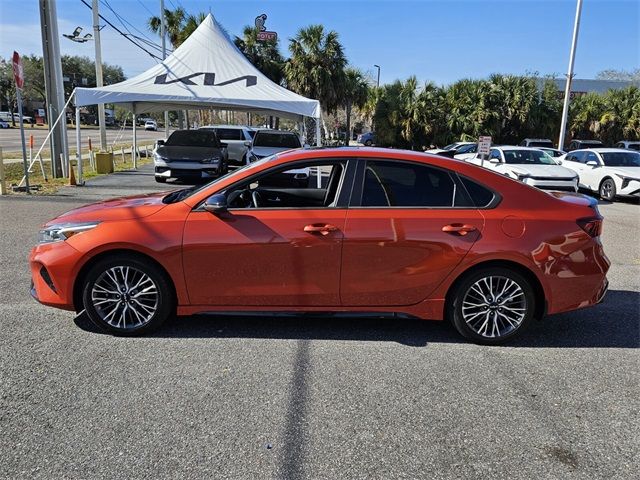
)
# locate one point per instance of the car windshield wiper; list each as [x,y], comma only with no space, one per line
[178,195]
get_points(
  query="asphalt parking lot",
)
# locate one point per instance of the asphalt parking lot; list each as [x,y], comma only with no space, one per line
[291,398]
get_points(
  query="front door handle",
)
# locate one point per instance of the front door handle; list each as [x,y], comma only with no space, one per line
[458,228]
[321,228]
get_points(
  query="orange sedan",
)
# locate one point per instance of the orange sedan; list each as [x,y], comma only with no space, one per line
[376,230]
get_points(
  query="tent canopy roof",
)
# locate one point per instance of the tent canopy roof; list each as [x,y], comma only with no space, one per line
[206,71]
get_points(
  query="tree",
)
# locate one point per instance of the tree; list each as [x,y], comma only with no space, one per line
[356,91]
[316,67]
[264,55]
[174,22]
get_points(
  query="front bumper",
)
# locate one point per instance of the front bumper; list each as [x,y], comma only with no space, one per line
[187,169]
[53,274]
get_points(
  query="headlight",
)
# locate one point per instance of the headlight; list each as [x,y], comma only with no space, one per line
[64,231]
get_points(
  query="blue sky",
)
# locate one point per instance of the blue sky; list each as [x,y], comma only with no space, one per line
[441,41]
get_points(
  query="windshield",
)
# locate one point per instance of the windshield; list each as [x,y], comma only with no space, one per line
[178,195]
[528,157]
[276,140]
[621,159]
[192,138]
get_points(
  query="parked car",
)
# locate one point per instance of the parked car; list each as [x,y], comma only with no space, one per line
[536,142]
[190,155]
[457,145]
[531,166]
[4,123]
[393,232]
[368,139]
[611,172]
[151,125]
[580,144]
[238,139]
[629,144]
[552,152]
[269,142]
[466,151]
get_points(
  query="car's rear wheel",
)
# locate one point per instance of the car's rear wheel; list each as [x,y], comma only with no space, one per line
[368,143]
[608,189]
[492,305]
[126,295]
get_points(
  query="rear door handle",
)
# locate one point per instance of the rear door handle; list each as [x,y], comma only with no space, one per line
[321,228]
[459,228]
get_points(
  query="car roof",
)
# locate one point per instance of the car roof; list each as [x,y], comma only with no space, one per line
[586,141]
[602,150]
[515,147]
[226,126]
[272,130]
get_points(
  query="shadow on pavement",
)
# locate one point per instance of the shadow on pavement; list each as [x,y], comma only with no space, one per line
[613,324]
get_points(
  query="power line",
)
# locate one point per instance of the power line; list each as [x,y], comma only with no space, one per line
[124,34]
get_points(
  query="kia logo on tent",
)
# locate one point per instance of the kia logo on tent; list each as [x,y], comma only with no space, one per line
[209,80]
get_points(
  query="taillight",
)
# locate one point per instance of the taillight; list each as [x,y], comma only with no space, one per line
[593,226]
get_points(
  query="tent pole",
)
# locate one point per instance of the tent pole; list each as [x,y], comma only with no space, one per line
[134,149]
[78,147]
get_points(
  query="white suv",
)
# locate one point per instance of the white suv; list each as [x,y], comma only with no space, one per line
[531,166]
[238,139]
[609,171]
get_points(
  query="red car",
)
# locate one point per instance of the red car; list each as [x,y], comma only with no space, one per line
[387,232]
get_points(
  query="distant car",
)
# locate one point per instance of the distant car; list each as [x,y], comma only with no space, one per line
[367,139]
[553,152]
[580,144]
[531,166]
[454,149]
[536,142]
[629,144]
[466,152]
[151,125]
[4,123]
[190,155]
[457,145]
[238,139]
[269,142]
[611,172]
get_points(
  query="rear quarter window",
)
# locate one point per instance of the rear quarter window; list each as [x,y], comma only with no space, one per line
[480,196]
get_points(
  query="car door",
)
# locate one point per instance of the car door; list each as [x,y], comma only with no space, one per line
[575,161]
[590,174]
[284,252]
[404,233]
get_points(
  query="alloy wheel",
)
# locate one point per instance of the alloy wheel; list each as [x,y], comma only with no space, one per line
[494,306]
[606,190]
[125,297]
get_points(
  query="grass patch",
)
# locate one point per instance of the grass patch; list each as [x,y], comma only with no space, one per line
[14,173]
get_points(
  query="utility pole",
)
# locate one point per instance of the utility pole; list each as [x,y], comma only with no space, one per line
[567,88]
[164,55]
[99,80]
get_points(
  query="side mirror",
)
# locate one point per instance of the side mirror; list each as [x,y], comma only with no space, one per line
[247,143]
[216,204]
[159,142]
[592,164]
[494,160]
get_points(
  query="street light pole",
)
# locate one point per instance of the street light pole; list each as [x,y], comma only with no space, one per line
[378,82]
[567,88]
[99,81]
[164,55]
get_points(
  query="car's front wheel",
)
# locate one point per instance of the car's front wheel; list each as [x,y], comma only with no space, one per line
[492,305]
[125,295]
[161,179]
[608,189]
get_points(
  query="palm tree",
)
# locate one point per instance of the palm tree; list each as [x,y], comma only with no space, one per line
[356,92]
[264,55]
[174,21]
[316,67]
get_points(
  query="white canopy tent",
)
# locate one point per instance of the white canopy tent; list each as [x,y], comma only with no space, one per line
[206,71]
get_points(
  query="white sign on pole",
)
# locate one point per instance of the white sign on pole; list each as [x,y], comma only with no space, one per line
[484,145]
[18,76]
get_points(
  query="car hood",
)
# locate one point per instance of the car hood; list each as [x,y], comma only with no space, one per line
[542,170]
[137,206]
[187,153]
[633,172]
[266,151]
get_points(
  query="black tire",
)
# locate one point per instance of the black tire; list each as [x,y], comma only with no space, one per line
[607,190]
[368,143]
[163,304]
[161,179]
[471,326]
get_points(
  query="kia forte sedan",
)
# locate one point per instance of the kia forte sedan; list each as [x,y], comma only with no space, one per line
[387,231]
